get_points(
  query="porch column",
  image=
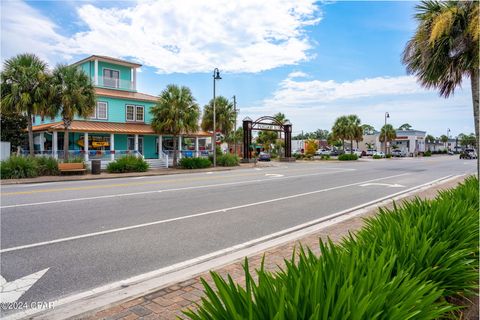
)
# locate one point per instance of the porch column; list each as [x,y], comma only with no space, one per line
[55,144]
[160,144]
[112,147]
[41,138]
[179,147]
[135,147]
[95,76]
[85,145]
[196,147]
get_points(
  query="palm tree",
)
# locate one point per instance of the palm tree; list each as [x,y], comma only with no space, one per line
[368,129]
[73,95]
[405,126]
[25,88]
[444,49]
[389,133]
[175,112]
[354,129]
[224,114]
[430,140]
[340,129]
[444,139]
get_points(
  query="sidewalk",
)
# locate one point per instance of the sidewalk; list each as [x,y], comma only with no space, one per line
[168,302]
[105,175]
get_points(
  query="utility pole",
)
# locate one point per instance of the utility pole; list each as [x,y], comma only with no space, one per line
[235,128]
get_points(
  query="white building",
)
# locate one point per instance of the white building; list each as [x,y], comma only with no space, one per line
[411,142]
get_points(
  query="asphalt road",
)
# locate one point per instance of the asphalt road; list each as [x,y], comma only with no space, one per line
[91,233]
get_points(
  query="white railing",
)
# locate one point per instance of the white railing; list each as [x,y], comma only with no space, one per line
[164,157]
[116,83]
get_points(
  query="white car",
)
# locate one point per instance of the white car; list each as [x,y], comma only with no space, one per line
[399,153]
[379,154]
[354,151]
[322,152]
[371,152]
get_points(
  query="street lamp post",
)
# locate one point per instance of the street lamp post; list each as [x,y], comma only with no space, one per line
[216,76]
[448,137]
[235,128]
[387,115]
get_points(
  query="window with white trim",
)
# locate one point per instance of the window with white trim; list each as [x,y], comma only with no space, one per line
[134,113]
[101,111]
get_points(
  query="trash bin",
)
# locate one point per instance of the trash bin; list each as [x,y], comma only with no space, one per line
[96,166]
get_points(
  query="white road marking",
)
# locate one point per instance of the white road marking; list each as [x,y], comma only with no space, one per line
[383,185]
[13,290]
[138,178]
[224,210]
[162,190]
[273,175]
[209,172]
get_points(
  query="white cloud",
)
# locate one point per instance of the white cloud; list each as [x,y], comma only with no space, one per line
[316,104]
[297,74]
[188,36]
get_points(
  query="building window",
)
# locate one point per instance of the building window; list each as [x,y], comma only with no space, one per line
[100,112]
[111,78]
[135,113]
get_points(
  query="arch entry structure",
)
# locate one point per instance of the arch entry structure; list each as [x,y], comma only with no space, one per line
[266,123]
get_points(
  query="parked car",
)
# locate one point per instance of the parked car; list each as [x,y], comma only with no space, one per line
[263,156]
[355,151]
[336,152]
[370,152]
[468,154]
[380,154]
[399,153]
[322,152]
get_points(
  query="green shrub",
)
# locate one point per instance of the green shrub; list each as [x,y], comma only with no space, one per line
[228,160]
[298,156]
[19,167]
[194,163]
[129,163]
[47,166]
[404,264]
[376,156]
[77,159]
[347,157]
[388,156]
[427,153]
[325,157]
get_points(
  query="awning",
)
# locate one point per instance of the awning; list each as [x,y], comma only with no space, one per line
[108,127]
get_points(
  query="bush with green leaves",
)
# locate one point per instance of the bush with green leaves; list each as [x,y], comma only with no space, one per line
[129,163]
[194,163]
[347,157]
[427,153]
[325,157]
[47,166]
[388,156]
[18,167]
[228,160]
[404,264]
[376,156]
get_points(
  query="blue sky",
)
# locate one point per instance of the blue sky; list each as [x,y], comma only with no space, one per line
[313,61]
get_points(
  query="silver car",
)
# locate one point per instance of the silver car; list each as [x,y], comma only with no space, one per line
[399,153]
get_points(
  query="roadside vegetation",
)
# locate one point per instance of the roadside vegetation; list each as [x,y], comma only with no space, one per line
[18,167]
[195,163]
[418,260]
[129,163]
[228,160]
[347,157]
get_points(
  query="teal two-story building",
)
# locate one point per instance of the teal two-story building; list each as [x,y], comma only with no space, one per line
[120,123]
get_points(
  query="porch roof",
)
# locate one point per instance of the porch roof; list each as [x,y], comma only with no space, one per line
[108,127]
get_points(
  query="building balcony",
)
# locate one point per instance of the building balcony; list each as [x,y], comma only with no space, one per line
[115,83]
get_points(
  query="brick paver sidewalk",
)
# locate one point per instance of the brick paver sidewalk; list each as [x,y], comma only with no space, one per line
[169,302]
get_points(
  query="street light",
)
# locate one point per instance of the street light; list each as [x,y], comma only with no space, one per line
[448,137]
[235,128]
[387,115]
[216,76]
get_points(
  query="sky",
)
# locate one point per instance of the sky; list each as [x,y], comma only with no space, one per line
[312,61]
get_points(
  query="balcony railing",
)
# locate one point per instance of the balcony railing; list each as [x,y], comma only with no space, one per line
[116,83]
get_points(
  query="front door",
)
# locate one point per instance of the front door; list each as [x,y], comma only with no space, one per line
[131,144]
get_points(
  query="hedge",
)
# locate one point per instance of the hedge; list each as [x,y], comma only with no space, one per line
[228,160]
[347,157]
[18,167]
[194,163]
[406,263]
[129,163]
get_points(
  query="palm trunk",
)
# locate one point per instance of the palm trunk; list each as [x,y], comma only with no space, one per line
[351,146]
[174,151]
[30,134]
[66,144]
[475,98]
[343,145]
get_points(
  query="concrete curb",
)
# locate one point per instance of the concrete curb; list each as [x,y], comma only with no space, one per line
[87,303]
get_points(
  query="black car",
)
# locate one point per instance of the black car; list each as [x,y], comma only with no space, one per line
[263,156]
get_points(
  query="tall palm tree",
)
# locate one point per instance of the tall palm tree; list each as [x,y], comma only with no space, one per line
[340,129]
[368,129]
[175,112]
[224,114]
[445,49]
[25,88]
[73,96]
[354,130]
[280,118]
[444,139]
[430,140]
[405,126]
[387,132]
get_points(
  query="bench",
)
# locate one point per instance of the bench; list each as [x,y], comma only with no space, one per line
[71,167]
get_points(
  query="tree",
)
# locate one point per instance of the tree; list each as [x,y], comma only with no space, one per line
[354,130]
[467,140]
[25,88]
[430,140]
[266,139]
[368,129]
[389,133]
[340,129]
[405,126]
[444,49]
[310,147]
[175,112]
[73,95]
[444,139]
[280,118]
[14,127]
[224,116]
